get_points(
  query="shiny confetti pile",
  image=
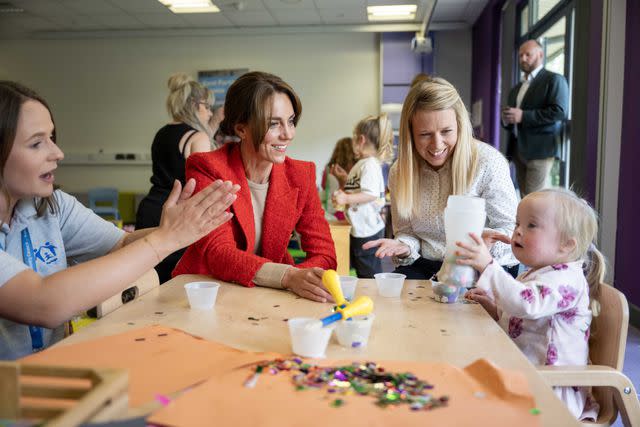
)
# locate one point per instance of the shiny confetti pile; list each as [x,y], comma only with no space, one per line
[365,379]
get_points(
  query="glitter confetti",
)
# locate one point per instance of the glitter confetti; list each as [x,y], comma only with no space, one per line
[534,411]
[359,378]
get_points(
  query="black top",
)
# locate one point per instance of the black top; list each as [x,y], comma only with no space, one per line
[168,160]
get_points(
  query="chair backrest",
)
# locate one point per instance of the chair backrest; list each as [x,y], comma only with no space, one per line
[608,342]
[104,201]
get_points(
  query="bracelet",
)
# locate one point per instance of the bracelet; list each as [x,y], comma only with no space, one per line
[153,248]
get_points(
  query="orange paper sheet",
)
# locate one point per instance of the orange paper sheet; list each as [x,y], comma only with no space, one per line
[479,394]
[160,360]
[163,360]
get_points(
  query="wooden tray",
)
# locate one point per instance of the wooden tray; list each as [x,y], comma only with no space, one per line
[61,396]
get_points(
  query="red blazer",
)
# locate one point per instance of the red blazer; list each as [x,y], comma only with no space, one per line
[292,203]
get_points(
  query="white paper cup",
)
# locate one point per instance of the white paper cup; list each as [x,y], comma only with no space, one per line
[308,341]
[389,284]
[202,295]
[348,285]
[354,333]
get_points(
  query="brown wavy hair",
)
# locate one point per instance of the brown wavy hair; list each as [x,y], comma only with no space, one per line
[248,101]
[12,96]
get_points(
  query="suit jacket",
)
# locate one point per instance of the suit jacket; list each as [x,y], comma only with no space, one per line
[292,203]
[544,108]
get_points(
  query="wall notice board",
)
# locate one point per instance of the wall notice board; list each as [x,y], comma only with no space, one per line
[218,81]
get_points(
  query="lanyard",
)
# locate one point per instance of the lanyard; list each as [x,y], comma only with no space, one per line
[29,258]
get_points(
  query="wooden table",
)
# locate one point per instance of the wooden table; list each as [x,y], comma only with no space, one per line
[413,327]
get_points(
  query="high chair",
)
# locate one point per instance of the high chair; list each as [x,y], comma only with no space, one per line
[611,388]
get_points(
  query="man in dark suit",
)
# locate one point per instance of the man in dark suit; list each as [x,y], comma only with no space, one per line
[537,108]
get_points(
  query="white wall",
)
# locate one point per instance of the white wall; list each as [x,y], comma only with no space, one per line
[109,93]
[452,51]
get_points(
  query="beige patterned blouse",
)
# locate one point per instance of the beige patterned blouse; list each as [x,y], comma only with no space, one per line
[425,233]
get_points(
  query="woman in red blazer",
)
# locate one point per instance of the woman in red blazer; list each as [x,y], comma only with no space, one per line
[277,195]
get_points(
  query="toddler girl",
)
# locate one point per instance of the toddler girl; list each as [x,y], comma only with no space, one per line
[548,309]
[364,191]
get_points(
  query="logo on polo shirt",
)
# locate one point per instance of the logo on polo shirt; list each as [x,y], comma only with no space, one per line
[46,253]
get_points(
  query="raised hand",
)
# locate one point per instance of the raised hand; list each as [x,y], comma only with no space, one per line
[186,218]
[388,247]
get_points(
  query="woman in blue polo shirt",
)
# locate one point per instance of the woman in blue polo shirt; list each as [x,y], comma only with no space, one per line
[41,228]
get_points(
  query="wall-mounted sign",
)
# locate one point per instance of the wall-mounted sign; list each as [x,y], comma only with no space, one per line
[218,81]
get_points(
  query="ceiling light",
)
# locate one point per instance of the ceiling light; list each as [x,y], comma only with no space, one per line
[403,12]
[190,6]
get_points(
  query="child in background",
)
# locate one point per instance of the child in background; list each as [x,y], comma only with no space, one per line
[548,309]
[364,191]
[41,228]
[335,176]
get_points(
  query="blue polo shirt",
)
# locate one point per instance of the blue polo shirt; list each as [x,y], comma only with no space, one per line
[73,234]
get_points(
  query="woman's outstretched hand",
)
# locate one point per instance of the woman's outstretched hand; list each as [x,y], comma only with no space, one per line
[388,247]
[186,218]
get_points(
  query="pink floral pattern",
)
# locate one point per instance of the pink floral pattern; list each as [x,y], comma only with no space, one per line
[544,291]
[568,296]
[527,295]
[552,355]
[559,267]
[569,315]
[587,334]
[515,327]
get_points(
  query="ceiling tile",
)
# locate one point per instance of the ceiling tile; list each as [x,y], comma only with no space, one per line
[25,23]
[206,20]
[343,16]
[239,5]
[148,6]
[161,20]
[91,7]
[297,17]
[119,21]
[289,4]
[339,4]
[44,8]
[248,18]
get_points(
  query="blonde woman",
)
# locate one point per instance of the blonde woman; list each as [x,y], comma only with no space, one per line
[437,157]
[188,132]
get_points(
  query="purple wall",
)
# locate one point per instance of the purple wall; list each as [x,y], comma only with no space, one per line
[628,233]
[485,73]
[400,65]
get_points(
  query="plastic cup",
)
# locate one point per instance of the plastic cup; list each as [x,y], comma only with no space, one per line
[308,341]
[202,295]
[348,285]
[354,333]
[446,293]
[389,284]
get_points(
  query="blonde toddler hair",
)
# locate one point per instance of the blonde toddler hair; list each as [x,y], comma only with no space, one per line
[379,132]
[577,220]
